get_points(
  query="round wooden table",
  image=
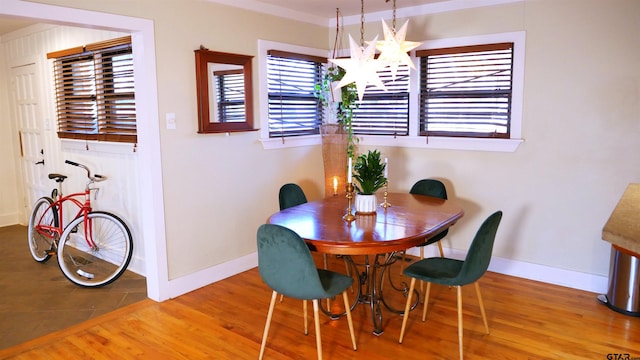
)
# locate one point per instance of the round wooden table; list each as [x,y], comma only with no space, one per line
[409,221]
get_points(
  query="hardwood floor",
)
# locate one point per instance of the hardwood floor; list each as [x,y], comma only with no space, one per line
[225,320]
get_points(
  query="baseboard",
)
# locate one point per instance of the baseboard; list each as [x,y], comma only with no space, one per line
[211,275]
[543,273]
[9,219]
[546,274]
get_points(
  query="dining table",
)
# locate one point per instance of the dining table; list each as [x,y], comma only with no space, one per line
[376,239]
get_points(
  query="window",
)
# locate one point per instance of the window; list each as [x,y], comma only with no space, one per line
[95,91]
[230,95]
[293,108]
[385,112]
[466,91]
[454,113]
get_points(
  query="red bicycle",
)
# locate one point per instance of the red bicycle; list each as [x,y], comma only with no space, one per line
[93,249]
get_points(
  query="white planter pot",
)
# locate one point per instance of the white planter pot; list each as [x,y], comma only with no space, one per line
[366,204]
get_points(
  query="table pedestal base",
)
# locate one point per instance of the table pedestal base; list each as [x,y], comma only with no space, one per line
[370,282]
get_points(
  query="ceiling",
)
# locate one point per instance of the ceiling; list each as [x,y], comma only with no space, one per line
[327,8]
[9,25]
[323,12]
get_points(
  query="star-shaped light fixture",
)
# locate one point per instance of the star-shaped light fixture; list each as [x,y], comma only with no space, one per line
[394,48]
[361,68]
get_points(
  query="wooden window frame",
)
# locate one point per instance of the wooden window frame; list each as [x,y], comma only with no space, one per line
[95,92]
[465,99]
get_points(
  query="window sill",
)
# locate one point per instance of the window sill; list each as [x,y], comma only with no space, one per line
[446,143]
[98,146]
[498,145]
[289,142]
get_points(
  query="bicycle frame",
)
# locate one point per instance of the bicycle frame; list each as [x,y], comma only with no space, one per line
[84,208]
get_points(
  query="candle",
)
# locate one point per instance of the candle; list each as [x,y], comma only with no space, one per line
[349,172]
[335,185]
[386,168]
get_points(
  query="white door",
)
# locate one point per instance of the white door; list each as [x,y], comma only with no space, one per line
[28,120]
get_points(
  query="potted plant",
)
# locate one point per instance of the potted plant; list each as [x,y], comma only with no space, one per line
[369,175]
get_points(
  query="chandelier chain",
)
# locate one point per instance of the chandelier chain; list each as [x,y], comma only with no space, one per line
[362,23]
[394,16]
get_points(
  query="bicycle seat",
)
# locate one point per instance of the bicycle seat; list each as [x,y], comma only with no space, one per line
[58,177]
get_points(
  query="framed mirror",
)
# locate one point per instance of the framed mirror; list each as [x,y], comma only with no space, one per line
[224,91]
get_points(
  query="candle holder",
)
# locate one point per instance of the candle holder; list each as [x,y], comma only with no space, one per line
[386,204]
[349,215]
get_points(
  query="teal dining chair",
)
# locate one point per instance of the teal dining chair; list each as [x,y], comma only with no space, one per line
[291,195]
[453,272]
[287,267]
[435,188]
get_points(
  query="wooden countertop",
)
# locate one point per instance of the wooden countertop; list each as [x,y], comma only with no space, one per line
[623,227]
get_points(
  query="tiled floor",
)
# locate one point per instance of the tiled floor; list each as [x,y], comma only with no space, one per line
[36,299]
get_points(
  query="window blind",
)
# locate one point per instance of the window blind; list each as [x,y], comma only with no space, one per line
[95,94]
[294,110]
[385,112]
[466,91]
[230,95]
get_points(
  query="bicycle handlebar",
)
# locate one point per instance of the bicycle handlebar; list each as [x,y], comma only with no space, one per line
[94,178]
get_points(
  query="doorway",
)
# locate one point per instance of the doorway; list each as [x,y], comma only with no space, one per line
[152,203]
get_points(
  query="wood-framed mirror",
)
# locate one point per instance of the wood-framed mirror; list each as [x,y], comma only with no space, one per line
[224,91]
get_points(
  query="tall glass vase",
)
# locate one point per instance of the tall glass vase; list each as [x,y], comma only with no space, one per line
[334,156]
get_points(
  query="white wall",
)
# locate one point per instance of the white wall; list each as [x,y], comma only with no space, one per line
[557,190]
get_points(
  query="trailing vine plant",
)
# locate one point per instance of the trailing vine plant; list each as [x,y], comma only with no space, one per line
[346,105]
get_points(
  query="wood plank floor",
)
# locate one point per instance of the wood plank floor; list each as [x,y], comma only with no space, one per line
[225,320]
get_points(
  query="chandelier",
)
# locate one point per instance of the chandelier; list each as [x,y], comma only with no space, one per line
[362,67]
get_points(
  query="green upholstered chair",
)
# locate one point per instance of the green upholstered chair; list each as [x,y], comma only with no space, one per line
[286,265]
[291,195]
[452,272]
[435,188]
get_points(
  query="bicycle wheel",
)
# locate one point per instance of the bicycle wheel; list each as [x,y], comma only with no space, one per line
[42,223]
[95,250]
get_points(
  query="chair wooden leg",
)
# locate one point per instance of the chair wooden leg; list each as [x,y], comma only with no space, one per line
[421,282]
[326,267]
[460,320]
[347,308]
[304,316]
[440,248]
[484,315]
[316,319]
[405,316]
[426,301]
[272,304]
[281,297]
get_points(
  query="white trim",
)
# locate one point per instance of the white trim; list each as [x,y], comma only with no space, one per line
[473,144]
[263,89]
[426,9]
[413,140]
[329,20]
[291,141]
[550,275]
[151,196]
[542,273]
[213,274]
[519,46]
